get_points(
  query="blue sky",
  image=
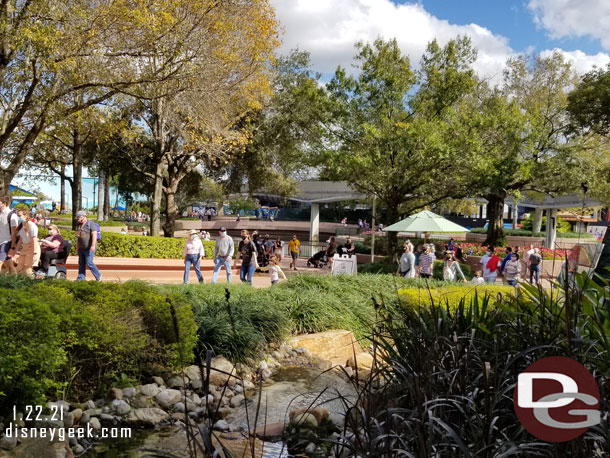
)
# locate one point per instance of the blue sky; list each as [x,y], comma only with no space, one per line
[328,29]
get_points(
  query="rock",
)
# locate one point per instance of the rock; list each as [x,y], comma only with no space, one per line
[271,432]
[224,412]
[68,419]
[152,389]
[221,368]
[229,394]
[195,399]
[266,374]
[48,421]
[196,384]
[277,355]
[121,407]
[287,349]
[299,350]
[93,412]
[209,400]
[248,385]
[310,449]
[263,365]
[8,443]
[179,407]
[236,400]
[364,375]
[364,361]
[159,381]
[129,392]
[84,419]
[58,405]
[348,371]
[304,420]
[139,402]
[167,398]
[337,419]
[320,413]
[221,425]
[193,373]
[106,409]
[307,354]
[148,417]
[238,389]
[190,406]
[77,413]
[72,441]
[176,382]
[335,346]
[325,365]
[78,449]
[95,424]
[89,404]
[42,447]
[106,418]
[115,393]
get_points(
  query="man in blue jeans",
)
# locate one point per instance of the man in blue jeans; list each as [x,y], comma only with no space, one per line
[223,255]
[86,239]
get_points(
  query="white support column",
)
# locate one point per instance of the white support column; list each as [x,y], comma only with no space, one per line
[314,223]
[551,228]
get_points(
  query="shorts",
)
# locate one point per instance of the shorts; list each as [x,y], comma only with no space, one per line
[422,275]
[273,282]
[294,254]
[4,249]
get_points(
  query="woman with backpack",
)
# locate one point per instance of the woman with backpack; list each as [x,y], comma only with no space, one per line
[452,268]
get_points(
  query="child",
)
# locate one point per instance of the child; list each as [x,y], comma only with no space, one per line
[478,278]
[274,270]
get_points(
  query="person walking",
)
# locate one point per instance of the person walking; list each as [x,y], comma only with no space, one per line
[294,246]
[406,266]
[512,270]
[86,242]
[277,249]
[247,254]
[452,268]
[490,263]
[8,235]
[274,270]
[534,265]
[426,262]
[223,255]
[193,252]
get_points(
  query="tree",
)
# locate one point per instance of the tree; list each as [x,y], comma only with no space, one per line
[394,132]
[191,120]
[522,136]
[237,204]
[60,57]
[195,188]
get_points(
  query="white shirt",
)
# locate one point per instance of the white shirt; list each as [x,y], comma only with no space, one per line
[478,281]
[25,238]
[5,233]
[193,247]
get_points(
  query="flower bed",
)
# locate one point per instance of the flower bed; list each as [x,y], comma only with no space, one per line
[476,249]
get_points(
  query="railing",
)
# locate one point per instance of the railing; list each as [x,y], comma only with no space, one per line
[308,249]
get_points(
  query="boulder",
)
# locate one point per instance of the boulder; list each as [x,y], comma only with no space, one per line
[320,413]
[42,447]
[221,425]
[158,380]
[115,393]
[221,368]
[176,382]
[336,346]
[193,373]
[120,407]
[152,389]
[58,405]
[77,413]
[266,374]
[68,419]
[325,365]
[196,384]
[90,404]
[95,423]
[363,360]
[167,398]
[148,417]
[304,420]
[271,432]
[8,443]
[129,392]
[236,400]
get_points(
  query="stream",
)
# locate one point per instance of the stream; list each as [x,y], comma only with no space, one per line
[295,387]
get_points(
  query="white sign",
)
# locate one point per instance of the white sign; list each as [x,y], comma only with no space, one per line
[598,232]
[344,264]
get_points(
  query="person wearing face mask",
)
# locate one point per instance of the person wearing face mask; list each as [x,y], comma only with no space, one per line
[223,255]
[247,253]
[50,247]
[490,263]
[28,242]
[193,252]
[8,235]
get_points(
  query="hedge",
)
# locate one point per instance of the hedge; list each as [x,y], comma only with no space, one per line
[452,295]
[74,339]
[136,246]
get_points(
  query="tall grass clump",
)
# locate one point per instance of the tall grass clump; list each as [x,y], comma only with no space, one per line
[444,377]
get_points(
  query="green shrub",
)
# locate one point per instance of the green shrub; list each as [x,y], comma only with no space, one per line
[385,266]
[529,233]
[136,246]
[452,295]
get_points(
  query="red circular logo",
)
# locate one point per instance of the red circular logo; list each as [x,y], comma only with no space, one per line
[557,399]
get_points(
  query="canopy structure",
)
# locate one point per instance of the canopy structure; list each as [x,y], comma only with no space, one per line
[425,221]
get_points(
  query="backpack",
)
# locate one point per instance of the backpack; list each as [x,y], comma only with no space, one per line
[97,229]
[535,259]
[448,274]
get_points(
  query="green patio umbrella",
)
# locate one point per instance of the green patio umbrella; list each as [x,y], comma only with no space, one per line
[425,222]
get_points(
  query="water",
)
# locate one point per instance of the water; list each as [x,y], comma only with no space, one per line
[295,388]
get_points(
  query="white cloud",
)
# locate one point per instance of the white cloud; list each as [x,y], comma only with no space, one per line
[570,18]
[580,61]
[328,29]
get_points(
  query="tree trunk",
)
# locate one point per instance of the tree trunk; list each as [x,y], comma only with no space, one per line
[391,218]
[62,186]
[116,201]
[5,185]
[537,224]
[495,229]
[155,210]
[515,215]
[106,196]
[77,181]
[100,196]
[171,211]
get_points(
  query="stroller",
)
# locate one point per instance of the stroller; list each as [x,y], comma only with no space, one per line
[320,259]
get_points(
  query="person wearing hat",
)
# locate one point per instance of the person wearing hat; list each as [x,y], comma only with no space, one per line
[223,254]
[193,252]
[86,243]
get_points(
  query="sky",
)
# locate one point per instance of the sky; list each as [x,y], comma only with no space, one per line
[499,29]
